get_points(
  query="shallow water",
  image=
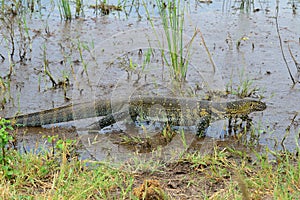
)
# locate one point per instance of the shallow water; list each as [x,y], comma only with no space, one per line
[105,46]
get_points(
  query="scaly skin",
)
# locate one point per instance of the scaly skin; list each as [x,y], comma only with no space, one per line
[177,111]
[180,111]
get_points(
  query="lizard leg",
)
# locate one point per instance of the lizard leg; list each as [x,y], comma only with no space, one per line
[108,120]
[202,125]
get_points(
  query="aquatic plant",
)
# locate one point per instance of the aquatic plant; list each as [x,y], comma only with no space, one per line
[15,32]
[172,16]
[244,89]
[246,5]
[78,7]
[65,10]
[24,42]
[9,36]
[64,83]
[81,47]
[66,148]
[281,45]
[4,91]
[46,67]
[173,19]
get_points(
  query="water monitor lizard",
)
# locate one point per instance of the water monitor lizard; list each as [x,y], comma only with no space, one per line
[177,111]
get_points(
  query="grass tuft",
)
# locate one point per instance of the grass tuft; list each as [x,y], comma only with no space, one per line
[65,10]
[172,16]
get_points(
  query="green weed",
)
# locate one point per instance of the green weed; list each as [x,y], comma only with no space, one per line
[78,7]
[65,10]
[167,133]
[172,16]
[5,157]
[15,31]
[84,47]
[246,5]
[147,58]
[66,147]
[65,82]
[244,88]
[4,91]
[46,67]
[277,178]
[173,21]
[131,140]
[44,177]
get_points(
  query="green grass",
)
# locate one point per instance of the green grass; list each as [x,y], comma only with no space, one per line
[78,7]
[41,177]
[65,9]
[246,5]
[260,178]
[227,172]
[177,54]
[244,88]
[4,91]
[172,16]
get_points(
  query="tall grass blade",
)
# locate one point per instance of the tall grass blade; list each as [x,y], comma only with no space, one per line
[65,9]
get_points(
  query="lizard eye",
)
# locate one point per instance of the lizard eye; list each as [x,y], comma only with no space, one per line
[251,105]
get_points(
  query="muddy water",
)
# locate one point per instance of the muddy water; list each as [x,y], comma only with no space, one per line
[104,57]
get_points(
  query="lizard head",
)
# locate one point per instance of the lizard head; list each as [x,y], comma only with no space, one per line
[245,106]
